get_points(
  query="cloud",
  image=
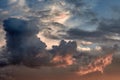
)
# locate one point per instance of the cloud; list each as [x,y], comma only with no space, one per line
[57,16]
[98,65]
[31,24]
[2,40]
[108,29]
[62,15]
[81,33]
[110,26]
[21,39]
[63,54]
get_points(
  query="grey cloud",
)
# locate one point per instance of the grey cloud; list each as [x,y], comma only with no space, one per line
[65,48]
[110,26]
[106,27]
[20,39]
[82,34]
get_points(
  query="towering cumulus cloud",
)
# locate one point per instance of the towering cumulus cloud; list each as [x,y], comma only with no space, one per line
[21,40]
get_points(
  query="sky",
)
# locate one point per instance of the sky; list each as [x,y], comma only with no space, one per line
[92,12]
[71,37]
[105,8]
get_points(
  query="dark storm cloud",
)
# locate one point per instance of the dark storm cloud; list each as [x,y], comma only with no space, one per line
[21,40]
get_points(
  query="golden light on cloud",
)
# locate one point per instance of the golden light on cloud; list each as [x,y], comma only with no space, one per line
[97,65]
[63,61]
[83,48]
[58,13]
[2,40]
[2,43]
[62,17]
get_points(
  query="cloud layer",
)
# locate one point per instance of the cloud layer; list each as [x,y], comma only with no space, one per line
[63,27]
